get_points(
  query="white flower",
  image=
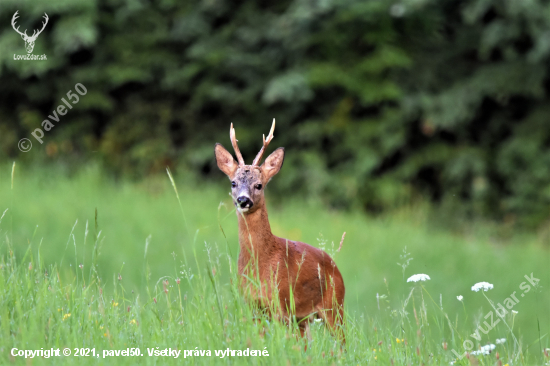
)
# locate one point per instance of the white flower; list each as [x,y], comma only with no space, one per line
[418,277]
[514,312]
[485,350]
[459,298]
[501,340]
[485,286]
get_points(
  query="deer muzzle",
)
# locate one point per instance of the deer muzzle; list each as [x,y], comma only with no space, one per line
[244,203]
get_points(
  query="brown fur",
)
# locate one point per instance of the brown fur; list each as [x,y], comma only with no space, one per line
[284,263]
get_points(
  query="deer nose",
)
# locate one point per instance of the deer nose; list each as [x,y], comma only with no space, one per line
[244,202]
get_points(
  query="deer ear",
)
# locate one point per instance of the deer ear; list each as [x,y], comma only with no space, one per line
[273,164]
[225,161]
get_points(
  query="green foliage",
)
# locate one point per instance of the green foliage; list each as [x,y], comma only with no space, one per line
[377,102]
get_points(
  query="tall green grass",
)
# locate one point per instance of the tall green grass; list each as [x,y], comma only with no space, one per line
[139,275]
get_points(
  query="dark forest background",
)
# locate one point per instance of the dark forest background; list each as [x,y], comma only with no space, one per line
[378,103]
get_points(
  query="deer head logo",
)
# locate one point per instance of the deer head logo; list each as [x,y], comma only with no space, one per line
[29,41]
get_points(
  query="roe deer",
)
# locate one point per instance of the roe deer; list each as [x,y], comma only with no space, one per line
[305,279]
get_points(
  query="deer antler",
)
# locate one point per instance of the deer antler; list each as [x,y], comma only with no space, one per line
[235,146]
[43,26]
[258,158]
[15,16]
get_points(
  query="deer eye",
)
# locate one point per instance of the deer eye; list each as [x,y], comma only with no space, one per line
[233,184]
[258,186]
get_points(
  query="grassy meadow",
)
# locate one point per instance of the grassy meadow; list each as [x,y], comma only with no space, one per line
[148,273]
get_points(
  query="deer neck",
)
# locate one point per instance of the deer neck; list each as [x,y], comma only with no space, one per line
[254,231]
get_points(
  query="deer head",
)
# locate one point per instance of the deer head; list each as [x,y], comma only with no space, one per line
[248,181]
[29,41]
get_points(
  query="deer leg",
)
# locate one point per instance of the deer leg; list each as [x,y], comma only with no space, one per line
[263,311]
[305,332]
[333,320]
[308,331]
